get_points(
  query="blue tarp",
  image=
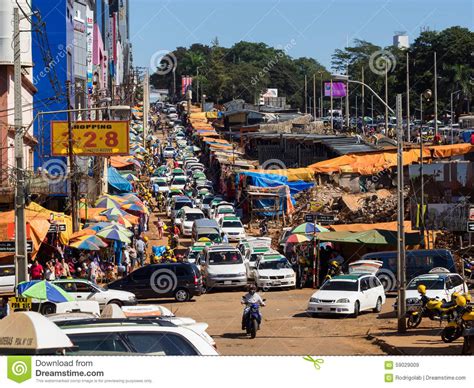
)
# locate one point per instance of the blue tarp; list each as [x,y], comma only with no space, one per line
[466,136]
[273,180]
[117,181]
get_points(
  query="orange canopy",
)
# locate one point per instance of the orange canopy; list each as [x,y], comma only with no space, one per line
[392,226]
[120,161]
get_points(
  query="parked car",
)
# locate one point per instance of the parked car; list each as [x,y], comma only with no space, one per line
[438,286]
[188,216]
[162,184]
[222,266]
[251,256]
[169,152]
[204,226]
[158,337]
[178,182]
[178,202]
[274,271]
[182,281]
[81,289]
[419,262]
[224,211]
[232,226]
[348,294]
[204,204]
[7,278]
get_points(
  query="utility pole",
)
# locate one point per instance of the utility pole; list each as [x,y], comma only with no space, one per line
[408,99]
[72,162]
[386,98]
[146,104]
[314,96]
[174,83]
[332,113]
[435,94]
[305,94]
[362,105]
[347,100]
[322,97]
[21,253]
[401,265]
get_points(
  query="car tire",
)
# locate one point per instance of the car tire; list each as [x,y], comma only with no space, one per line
[314,315]
[117,302]
[356,312]
[48,308]
[182,295]
[378,305]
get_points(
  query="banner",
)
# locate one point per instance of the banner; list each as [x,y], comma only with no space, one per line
[91,138]
[186,83]
[338,89]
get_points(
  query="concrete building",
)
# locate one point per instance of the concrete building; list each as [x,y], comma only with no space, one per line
[7,128]
[400,40]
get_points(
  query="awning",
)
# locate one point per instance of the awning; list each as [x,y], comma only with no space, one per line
[117,182]
[369,237]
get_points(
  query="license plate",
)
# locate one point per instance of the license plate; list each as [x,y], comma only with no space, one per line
[227,282]
[276,283]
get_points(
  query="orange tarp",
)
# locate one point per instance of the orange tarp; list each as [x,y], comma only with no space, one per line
[221,141]
[446,151]
[392,226]
[120,161]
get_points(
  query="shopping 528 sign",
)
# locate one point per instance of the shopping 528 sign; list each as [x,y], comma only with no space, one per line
[104,138]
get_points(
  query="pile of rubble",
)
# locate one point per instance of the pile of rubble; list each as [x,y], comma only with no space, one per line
[369,208]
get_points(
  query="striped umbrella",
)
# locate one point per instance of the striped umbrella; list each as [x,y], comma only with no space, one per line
[91,239]
[44,290]
[297,238]
[113,213]
[113,234]
[84,245]
[135,207]
[309,228]
[106,202]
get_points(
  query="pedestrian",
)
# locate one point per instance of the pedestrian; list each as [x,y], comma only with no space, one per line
[66,272]
[336,256]
[58,269]
[4,307]
[160,224]
[49,273]
[225,238]
[133,257]
[92,270]
[36,271]
[140,246]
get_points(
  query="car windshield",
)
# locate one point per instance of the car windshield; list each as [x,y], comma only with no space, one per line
[431,284]
[336,285]
[232,224]
[232,257]
[225,210]
[179,180]
[214,237]
[275,264]
[207,200]
[161,183]
[194,216]
[179,205]
[169,149]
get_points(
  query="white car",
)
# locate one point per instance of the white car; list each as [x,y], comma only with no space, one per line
[274,271]
[187,218]
[438,286]
[159,337]
[232,226]
[251,256]
[7,278]
[348,294]
[222,266]
[81,289]
[178,182]
[224,211]
[169,152]
[162,184]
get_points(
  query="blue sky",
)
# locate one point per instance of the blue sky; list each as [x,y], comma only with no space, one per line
[315,27]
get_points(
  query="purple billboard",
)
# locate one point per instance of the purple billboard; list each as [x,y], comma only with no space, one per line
[338,89]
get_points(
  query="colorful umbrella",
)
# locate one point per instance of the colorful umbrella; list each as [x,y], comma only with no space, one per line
[120,228]
[91,239]
[130,177]
[43,290]
[113,234]
[106,202]
[134,207]
[124,222]
[99,225]
[309,228]
[297,238]
[113,213]
[84,245]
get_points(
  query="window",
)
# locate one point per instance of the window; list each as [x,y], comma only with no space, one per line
[275,264]
[232,257]
[141,274]
[68,287]
[194,216]
[7,271]
[335,285]
[181,271]
[431,284]
[84,287]
[364,284]
[165,344]
[98,342]
[232,224]
[456,281]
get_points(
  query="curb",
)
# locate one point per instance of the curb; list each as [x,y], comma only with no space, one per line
[386,347]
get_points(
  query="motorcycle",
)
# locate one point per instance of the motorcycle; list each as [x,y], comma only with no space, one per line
[263,228]
[463,314]
[252,319]
[433,309]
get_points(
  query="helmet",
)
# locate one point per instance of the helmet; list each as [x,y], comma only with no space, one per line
[467,296]
[252,288]
[334,263]
[168,247]
[461,301]
[145,238]
[421,289]
[454,295]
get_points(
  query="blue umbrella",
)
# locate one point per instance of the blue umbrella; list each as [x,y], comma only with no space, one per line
[43,290]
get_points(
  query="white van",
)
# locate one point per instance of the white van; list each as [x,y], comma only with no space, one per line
[223,266]
[7,278]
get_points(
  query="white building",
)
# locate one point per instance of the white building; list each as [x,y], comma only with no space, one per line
[400,40]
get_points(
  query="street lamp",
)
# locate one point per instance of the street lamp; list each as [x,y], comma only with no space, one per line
[426,95]
[452,114]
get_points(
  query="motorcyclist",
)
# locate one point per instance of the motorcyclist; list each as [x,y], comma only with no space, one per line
[248,299]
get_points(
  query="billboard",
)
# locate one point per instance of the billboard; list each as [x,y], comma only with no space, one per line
[91,138]
[186,83]
[338,89]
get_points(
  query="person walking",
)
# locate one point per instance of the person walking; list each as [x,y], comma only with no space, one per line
[140,246]
[4,307]
[36,271]
[160,225]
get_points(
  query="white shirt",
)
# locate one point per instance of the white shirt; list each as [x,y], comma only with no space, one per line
[255,298]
